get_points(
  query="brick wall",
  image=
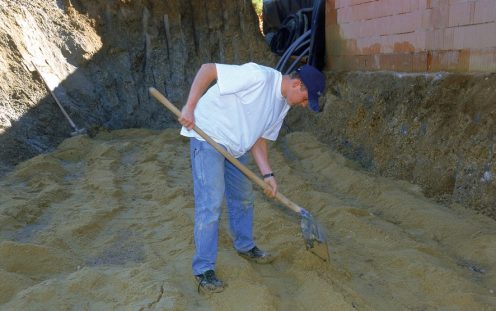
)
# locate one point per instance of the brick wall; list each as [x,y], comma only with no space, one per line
[411,35]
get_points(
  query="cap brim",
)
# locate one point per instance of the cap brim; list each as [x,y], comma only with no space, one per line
[314,105]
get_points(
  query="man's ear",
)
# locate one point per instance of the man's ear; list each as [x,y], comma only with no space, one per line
[295,83]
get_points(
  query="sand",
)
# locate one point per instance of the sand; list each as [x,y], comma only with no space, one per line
[106,224]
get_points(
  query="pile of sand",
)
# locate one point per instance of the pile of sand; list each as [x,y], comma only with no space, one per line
[106,223]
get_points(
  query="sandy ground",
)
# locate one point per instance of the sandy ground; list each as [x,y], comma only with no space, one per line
[106,224]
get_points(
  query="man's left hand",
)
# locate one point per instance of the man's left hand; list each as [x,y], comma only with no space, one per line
[270,189]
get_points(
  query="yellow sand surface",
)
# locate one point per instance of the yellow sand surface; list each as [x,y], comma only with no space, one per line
[107,224]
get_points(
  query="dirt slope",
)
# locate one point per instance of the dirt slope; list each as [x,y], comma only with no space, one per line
[102,56]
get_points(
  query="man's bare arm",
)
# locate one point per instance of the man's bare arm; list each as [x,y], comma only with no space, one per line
[204,77]
[261,155]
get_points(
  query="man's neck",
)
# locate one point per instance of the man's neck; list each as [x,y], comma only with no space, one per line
[284,85]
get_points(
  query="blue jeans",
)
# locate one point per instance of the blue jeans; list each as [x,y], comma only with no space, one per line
[213,178]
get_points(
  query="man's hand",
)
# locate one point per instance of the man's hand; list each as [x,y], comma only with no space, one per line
[270,189]
[187,118]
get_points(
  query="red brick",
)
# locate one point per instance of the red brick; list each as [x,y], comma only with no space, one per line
[427,19]
[365,62]
[331,5]
[356,2]
[371,10]
[421,41]
[426,4]
[460,13]
[419,62]
[405,42]
[414,5]
[334,42]
[440,15]
[446,60]
[459,1]
[373,27]
[376,26]
[396,62]
[351,47]
[362,12]
[435,39]
[330,15]
[345,15]
[369,46]
[337,63]
[453,60]
[423,4]
[407,22]
[387,44]
[350,30]
[485,11]
[475,36]
[483,60]
[401,6]
[449,39]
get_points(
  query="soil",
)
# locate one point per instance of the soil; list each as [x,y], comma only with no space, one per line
[107,223]
[102,57]
[398,168]
[435,130]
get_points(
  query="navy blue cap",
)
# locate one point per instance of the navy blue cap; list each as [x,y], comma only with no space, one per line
[314,81]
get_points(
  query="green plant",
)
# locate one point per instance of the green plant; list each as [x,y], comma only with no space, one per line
[258,5]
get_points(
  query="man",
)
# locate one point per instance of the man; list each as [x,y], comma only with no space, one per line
[245,107]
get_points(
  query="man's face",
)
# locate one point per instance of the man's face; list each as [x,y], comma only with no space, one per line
[297,94]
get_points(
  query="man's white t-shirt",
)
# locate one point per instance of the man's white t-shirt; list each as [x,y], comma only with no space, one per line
[245,104]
